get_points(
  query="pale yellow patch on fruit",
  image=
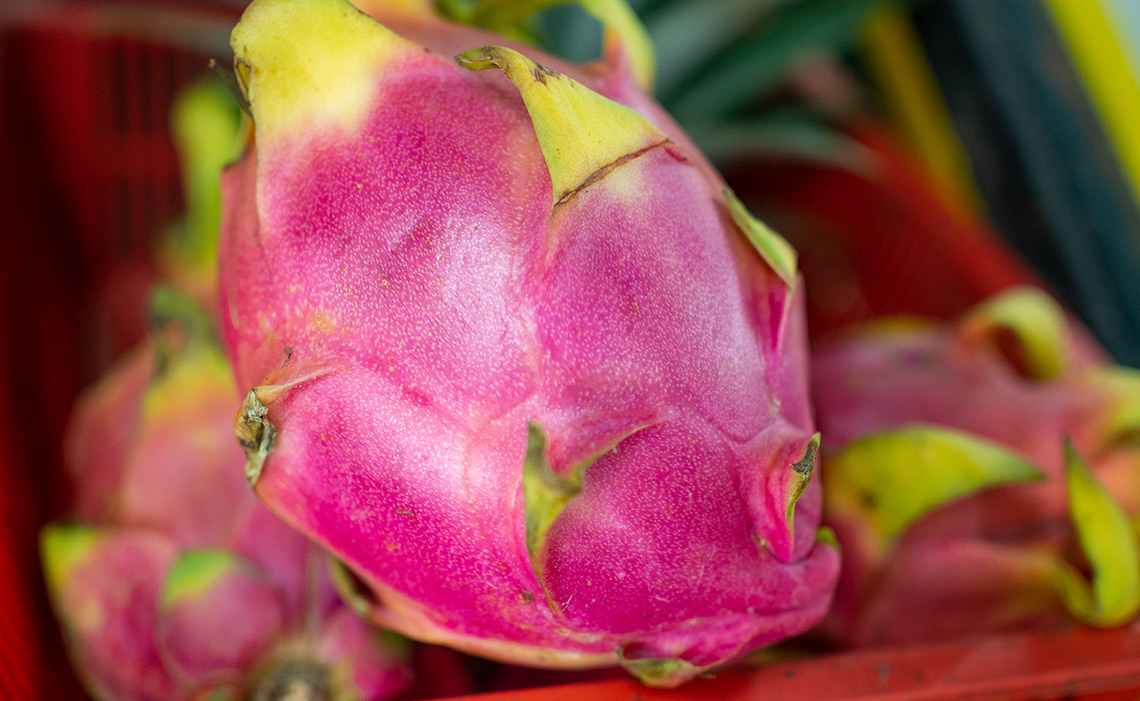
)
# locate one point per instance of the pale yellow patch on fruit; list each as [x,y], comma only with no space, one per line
[304,63]
[63,548]
[192,376]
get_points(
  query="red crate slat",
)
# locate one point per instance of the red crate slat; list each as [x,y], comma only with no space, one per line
[1077,663]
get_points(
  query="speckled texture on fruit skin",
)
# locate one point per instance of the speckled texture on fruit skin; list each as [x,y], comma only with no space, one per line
[406,301]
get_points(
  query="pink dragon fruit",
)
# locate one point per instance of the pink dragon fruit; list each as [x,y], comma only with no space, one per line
[178,583]
[921,414]
[516,356]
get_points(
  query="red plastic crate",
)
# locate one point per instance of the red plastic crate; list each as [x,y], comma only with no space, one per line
[88,182]
[875,238]
[1079,663]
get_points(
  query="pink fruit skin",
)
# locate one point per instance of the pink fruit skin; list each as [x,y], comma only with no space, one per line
[981,564]
[887,377]
[158,476]
[111,619]
[407,303]
[218,634]
[99,436]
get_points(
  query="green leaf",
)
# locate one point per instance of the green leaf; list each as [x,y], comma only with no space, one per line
[783,133]
[1109,545]
[1121,420]
[894,478]
[221,693]
[62,548]
[545,494]
[195,572]
[773,248]
[185,374]
[658,672]
[170,305]
[694,33]
[205,121]
[1034,319]
[306,62]
[801,475]
[580,132]
[351,588]
[826,536]
[753,67]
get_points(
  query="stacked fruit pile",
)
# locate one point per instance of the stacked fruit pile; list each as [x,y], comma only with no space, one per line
[515,372]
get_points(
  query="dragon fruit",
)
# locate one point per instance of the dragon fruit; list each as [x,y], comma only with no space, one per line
[176,582]
[997,415]
[513,352]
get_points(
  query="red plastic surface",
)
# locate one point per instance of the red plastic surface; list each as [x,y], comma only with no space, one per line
[1079,663]
[89,180]
[21,671]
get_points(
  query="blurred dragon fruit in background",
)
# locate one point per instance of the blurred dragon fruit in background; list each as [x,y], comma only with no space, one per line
[176,582]
[517,357]
[919,414]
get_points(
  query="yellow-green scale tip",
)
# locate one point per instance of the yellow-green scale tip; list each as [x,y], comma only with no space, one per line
[1109,544]
[581,133]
